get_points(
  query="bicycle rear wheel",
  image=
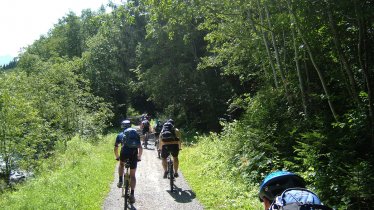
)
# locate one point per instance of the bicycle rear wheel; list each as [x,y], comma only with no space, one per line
[171,174]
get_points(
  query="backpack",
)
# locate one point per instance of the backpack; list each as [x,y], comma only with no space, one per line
[131,138]
[158,127]
[145,123]
[298,199]
[168,133]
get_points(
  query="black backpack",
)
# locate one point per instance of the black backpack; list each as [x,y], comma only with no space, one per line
[158,127]
[145,123]
[168,133]
[298,199]
[131,138]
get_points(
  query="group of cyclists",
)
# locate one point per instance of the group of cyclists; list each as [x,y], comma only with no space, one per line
[279,190]
[132,150]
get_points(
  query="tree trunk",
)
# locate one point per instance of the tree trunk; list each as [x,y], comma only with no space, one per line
[277,57]
[316,67]
[266,43]
[301,80]
[267,49]
[363,56]
[342,57]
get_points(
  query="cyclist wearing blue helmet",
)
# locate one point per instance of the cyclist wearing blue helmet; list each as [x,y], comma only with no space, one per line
[277,182]
[130,150]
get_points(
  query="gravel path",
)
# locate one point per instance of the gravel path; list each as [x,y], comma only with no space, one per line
[152,191]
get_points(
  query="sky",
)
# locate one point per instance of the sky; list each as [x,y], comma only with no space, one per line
[24,21]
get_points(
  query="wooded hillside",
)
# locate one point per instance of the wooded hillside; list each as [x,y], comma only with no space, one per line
[289,82]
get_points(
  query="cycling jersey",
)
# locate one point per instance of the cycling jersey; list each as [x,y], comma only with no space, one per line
[126,152]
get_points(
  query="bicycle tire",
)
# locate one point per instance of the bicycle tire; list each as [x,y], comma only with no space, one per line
[146,140]
[127,195]
[171,175]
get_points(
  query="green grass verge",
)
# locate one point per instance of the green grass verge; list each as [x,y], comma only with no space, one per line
[205,168]
[77,179]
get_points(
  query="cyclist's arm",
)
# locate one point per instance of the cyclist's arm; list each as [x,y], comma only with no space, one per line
[116,152]
[179,136]
[116,145]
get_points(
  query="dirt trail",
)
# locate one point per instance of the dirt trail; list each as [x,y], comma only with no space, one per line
[152,191]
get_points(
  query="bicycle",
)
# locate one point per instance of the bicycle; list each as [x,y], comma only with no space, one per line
[170,175]
[146,137]
[126,184]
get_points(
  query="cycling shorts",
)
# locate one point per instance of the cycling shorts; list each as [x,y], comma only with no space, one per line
[129,153]
[145,130]
[172,149]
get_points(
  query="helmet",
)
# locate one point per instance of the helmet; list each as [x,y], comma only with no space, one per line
[125,124]
[171,121]
[275,183]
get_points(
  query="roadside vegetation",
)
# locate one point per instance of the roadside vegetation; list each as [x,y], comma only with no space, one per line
[216,185]
[76,178]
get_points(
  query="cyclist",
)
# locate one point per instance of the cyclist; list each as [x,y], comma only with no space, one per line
[145,128]
[170,147]
[130,149]
[145,116]
[277,182]
[157,129]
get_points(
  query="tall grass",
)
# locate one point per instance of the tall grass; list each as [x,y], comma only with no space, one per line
[77,179]
[206,168]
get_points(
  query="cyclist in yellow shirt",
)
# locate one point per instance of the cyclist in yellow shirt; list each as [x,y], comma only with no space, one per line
[170,143]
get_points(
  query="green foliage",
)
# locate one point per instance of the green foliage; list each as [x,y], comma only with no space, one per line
[42,105]
[216,186]
[68,180]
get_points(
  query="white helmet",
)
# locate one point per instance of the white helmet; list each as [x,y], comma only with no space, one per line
[125,124]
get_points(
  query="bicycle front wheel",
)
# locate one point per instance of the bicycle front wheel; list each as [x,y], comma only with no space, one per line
[127,194]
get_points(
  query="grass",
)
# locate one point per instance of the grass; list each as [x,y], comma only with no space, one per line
[77,179]
[205,167]
[80,178]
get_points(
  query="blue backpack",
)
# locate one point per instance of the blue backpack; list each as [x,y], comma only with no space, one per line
[131,138]
[298,199]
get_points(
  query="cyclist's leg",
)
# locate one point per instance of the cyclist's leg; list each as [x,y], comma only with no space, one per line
[133,166]
[133,178]
[164,155]
[175,152]
[122,158]
[132,185]
[120,170]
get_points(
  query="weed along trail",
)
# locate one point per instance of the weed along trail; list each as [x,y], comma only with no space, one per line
[152,191]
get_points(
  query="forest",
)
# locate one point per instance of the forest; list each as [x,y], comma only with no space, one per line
[289,83]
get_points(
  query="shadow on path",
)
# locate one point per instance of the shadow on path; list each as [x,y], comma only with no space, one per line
[182,196]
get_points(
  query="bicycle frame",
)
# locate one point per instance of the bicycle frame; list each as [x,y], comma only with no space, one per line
[126,184]
[146,138]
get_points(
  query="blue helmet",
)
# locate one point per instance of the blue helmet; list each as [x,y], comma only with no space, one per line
[125,124]
[276,182]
